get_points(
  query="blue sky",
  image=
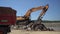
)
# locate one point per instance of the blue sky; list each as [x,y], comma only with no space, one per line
[22,6]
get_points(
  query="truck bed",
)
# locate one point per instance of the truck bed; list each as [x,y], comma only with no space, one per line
[7,16]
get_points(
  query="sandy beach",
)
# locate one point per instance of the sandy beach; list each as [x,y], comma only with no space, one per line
[55,26]
[33,32]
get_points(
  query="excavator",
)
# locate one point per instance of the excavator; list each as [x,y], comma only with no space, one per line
[26,18]
[36,25]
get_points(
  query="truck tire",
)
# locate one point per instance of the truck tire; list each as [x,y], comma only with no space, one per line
[8,29]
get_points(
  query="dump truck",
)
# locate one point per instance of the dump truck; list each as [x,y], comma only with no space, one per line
[7,18]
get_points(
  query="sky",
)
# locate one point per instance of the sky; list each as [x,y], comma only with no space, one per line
[22,6]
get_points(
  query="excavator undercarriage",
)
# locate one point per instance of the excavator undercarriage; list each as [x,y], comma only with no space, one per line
[27,24]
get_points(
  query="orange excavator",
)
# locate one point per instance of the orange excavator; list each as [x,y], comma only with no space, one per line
[26,18]
[34,25]
[27,15]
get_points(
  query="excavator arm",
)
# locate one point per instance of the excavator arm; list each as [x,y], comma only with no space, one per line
[44,10]
[42,13]
[27,15]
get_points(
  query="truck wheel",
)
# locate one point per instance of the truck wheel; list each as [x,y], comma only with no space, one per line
[8,29]
[4,32]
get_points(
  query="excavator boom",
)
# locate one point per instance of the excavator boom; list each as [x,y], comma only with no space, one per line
[32,10]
